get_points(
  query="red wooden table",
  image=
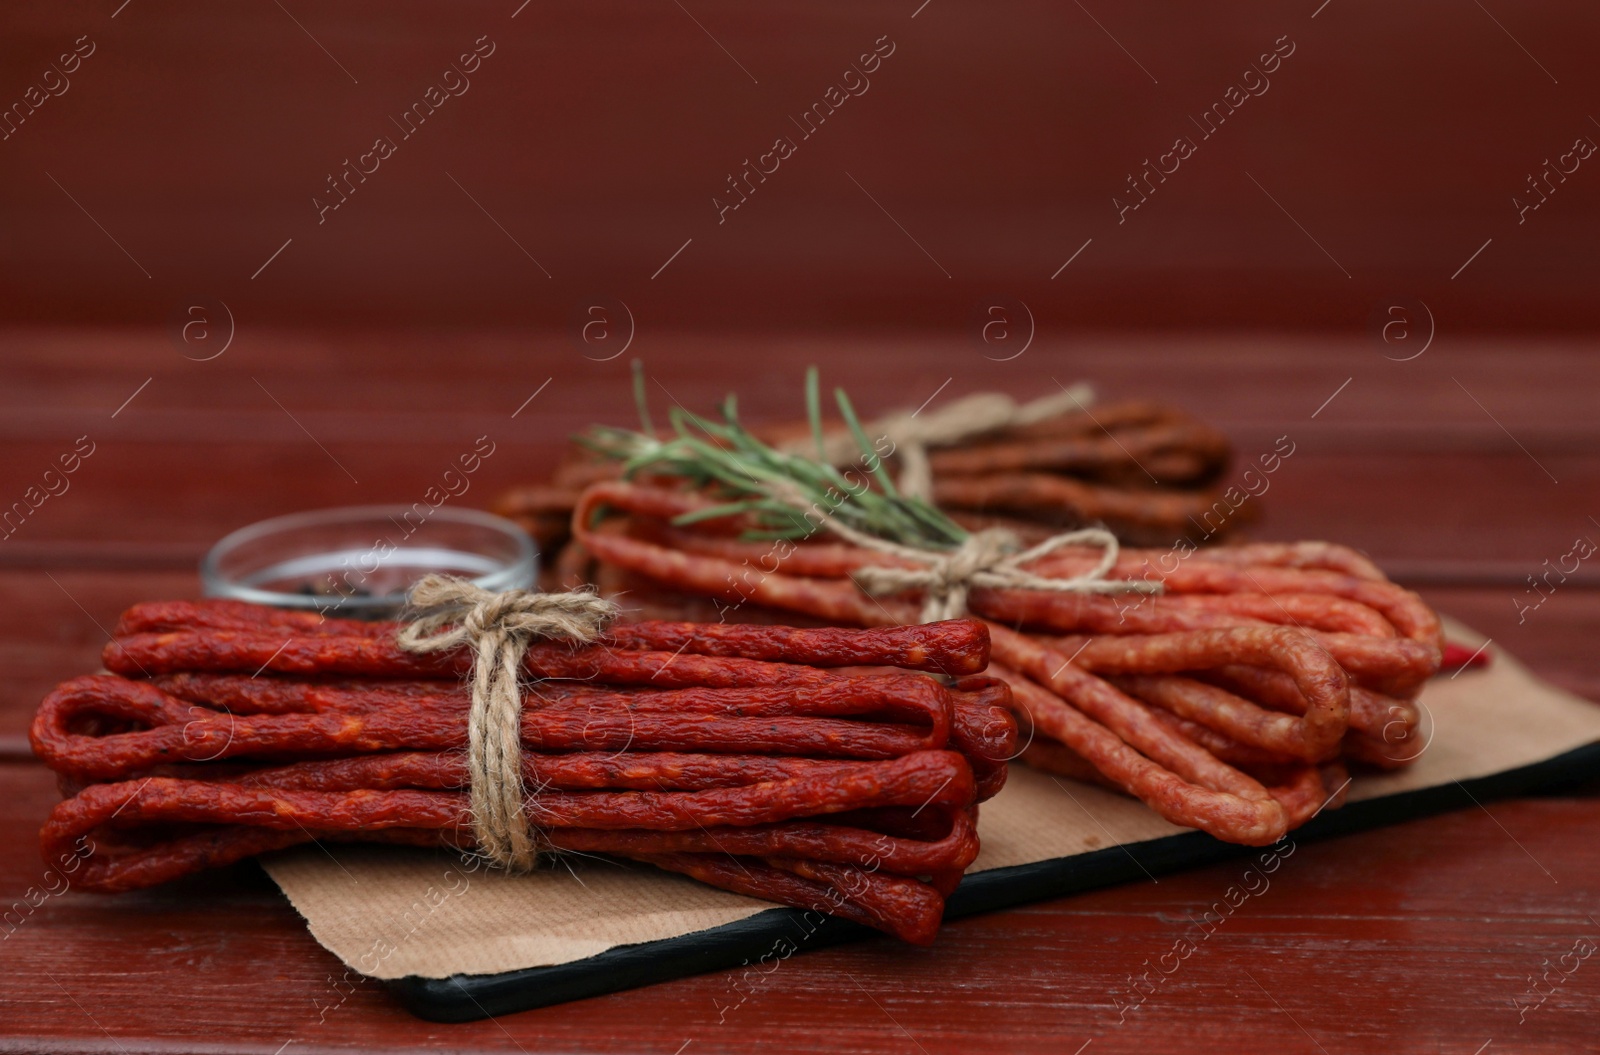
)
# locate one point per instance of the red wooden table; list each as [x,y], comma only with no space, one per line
[1460,471]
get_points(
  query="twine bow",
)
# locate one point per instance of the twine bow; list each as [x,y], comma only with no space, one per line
[990,559]
[915,434]
[451,613]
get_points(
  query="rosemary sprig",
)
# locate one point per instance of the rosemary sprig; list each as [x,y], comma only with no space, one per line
[786,495]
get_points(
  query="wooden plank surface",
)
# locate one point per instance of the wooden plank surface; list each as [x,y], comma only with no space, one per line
[1413,938]
[367,346]
[1433,460]
[1461,472]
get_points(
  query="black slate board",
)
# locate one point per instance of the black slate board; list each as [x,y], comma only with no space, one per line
[465,997]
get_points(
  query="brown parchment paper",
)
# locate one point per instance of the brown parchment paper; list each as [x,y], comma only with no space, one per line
[389,912]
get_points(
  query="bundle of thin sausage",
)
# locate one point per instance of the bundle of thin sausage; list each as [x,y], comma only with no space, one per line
[829,769]
[1231,701]
[1145,470]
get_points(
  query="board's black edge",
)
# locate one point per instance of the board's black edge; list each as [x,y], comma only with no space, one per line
[781,931]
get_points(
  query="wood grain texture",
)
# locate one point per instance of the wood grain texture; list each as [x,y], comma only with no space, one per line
[54,626]
[600,137]
[1437,459]
[1415,938]
[1396,940]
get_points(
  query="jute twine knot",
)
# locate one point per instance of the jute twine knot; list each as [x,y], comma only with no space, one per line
[915,434]
[990,559]
[449,613]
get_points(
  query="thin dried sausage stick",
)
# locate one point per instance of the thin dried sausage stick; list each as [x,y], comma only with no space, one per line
[229,651]
[1393,666]
[1167,451]
[836,600]
[113,869]
[954,647]
[579,771]
[937,780]
[1126,718]
[635,770]
[887,896]
[1326,556]
[912,916]
[1064,500]
[1255,821]
[984,730]
[1235,729]
[1302,795]
[1409,614]
[1370,712]
[1384,730]
[982,727]
[1313,736]
[1244,757]
[179,736]
[797,838]
[243,694]
[1307,793]
[905,697]
[1165,613]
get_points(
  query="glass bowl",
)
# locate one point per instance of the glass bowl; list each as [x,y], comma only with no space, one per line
[359,561]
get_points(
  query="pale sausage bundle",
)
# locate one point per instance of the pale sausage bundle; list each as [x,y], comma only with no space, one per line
[1147,471]
[1230,702]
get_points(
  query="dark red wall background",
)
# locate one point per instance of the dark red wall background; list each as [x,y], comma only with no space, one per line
[996,134]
